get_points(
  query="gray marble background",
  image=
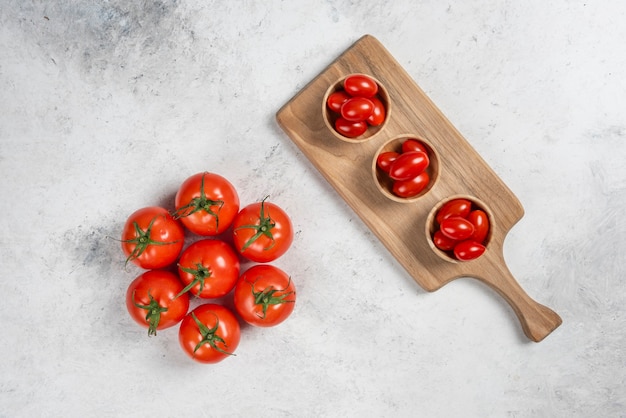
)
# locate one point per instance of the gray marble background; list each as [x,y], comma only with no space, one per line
[107,106]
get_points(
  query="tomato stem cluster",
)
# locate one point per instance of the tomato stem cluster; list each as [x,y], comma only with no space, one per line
[200,274]
[265,226]
[153,314]
[266,297]
[209,336]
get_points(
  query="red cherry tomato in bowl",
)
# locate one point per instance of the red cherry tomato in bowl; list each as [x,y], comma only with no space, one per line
[357,109]
[264,296]
[360,85]
[456,228]
[262,232]
[350,129]
[411,187]
[152,238]
[336,99]
[414,145]
[408,165]
[468,250]
[378,114]
[384,160]
[455,207]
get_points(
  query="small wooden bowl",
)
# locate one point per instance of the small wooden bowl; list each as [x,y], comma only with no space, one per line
[432,226]
[330,117]
[385,184]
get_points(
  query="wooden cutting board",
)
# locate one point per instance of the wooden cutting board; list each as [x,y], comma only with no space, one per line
[403,227]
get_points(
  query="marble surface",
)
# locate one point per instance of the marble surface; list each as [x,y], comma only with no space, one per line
[105,107]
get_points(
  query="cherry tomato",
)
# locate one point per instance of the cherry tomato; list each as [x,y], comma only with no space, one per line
[384,160]
[480,220]
[208,268]
[151,238]
[456,228]
[262,232]
[413,145]
[468,250]
[442,242]
[411,187]
[455,207]
[360,85]
[408,165]
[378,114]
[350,129]
[206,203]
[357,109]
[336,99]
[151,300]
[210,333]
[264,296]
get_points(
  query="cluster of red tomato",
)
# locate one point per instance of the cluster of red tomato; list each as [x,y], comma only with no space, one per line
[463,229]
[206,204]
[358,106]
[407,169]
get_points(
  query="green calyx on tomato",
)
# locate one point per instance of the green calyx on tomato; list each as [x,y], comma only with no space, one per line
[209,336]
[200,203]
[143,240]
[153,314]
[265,226]
[200,274]
[266,297]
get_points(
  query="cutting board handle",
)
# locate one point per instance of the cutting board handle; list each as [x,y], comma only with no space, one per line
[537,320]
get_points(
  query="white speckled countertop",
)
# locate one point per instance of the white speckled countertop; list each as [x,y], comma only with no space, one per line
[108,106]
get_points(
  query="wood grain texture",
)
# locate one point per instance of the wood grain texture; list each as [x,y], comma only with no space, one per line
[404,227]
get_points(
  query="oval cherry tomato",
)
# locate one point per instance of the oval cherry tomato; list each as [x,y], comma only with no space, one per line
[413,145]
[378,114]
[264,296]
[468,250]
[336,99]
[151,300]
[455,207]
[384,160]
[411,187]
[457,228]
[480,220]
[357,109]
[262,232]
[442,242]
[152,238]
[208,268]
[350,129]
[210,333]
[206,203]
[360,85]
[408,165]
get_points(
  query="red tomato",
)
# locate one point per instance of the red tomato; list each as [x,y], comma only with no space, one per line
[151,238]
[480,220]
[411,187]
[206,204]
[262,232]
[442,242]
[378,114]
[151,300]
[210,333]
[357,109]
[384,160]
[360,85]
[455,207]
[336,99]
[408,165]
[413,145]
[208,268]
[264,296]
[468,250]
[350,129]
[457,228]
